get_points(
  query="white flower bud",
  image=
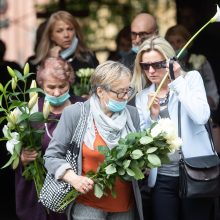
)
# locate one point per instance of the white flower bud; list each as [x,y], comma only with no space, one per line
[33,101]
[46,109]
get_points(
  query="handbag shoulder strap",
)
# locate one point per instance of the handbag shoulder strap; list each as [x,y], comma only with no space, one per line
[207,126]
[209,130]
[179,128]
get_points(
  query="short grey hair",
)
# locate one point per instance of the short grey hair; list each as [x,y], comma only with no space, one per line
[106,74]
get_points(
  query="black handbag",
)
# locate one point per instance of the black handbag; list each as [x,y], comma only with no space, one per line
[199,177]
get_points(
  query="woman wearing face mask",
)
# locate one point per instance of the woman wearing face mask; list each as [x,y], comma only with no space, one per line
[186,88]
[62,37]
[54,76]
[107,118]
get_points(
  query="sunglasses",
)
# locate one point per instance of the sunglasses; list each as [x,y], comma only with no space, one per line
[155,65]
[140,34]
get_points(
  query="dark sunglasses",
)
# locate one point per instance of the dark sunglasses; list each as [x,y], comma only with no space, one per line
[155,65]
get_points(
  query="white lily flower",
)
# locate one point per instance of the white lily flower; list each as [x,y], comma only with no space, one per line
[14,116]
[6,132]
[33,101]
[175,144]
[156,130]
[10,145]
[33,86]
[46,109]
[15,136]
[216,18]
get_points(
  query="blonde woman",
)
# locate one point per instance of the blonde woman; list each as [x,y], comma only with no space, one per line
[187,88]
[62,37]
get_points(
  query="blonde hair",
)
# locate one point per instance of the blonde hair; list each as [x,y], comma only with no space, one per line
[46,43]
[57,68]
[108,73]
[158,44]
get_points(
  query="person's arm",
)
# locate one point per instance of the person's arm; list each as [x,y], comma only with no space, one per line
[191,93]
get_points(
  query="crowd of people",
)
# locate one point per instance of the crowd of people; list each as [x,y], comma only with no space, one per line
[121,89]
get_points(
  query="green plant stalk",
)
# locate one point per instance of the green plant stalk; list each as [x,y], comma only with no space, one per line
[193,37]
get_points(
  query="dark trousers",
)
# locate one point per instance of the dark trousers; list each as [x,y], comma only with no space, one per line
[167,205]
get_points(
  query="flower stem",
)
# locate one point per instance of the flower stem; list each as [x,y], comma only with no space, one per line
[192,38]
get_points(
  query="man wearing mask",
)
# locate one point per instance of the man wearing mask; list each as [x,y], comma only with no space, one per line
[143,27]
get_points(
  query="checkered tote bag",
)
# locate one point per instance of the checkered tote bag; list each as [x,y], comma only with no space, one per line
[53,191]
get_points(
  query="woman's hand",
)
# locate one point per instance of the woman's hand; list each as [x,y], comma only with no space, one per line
[155,107]
[82,184]
[28,156]
[55,51]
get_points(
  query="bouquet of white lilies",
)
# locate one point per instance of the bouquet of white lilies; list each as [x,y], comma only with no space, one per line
[20,123]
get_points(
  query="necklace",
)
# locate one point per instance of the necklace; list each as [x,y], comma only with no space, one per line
[164,101]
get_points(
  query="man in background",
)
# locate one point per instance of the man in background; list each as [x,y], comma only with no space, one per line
[143,27]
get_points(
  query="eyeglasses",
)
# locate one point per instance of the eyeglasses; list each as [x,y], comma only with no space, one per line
[121,95]
[140,34]
[155,65]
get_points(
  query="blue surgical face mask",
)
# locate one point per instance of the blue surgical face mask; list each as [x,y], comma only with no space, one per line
[116,106]
[70,50]
[135,48]
[57,101]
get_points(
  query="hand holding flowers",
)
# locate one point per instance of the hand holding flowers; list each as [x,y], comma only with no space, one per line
[130,158]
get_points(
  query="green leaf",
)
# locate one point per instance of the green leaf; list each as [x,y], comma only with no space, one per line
[138,173]
[126,163]
[113,193]
[110,169]
[121,171]
[146,140]
[151,150]
[136,154]
[37,116]
[23,117]
[154,160]
[19,75]
[103,150]
[38,90]
[15,163]
[12,158]
[98,191]
[130,172]
[121,151]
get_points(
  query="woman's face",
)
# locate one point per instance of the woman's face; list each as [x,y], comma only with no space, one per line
[54,86]
[154,66]
[62,34]
[176,41]
[118,91]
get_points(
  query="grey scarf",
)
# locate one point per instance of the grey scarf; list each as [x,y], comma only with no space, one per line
[111,129]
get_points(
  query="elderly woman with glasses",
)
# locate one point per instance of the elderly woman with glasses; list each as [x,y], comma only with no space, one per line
[107,118]
[151,65]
